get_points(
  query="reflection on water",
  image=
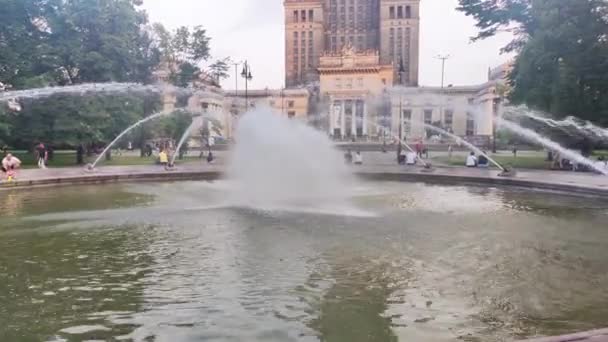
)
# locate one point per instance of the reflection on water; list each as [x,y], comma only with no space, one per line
[173,262]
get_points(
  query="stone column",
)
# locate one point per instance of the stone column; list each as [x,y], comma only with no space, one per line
[353,116]
[365,118]
[343,119]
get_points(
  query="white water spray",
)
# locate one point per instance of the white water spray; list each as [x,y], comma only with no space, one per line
[584,127]
[280,163]
[151,117]
[182,140]
[79,89]
[549,144]
[461,141]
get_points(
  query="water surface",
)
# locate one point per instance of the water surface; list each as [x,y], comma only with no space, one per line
[177,262]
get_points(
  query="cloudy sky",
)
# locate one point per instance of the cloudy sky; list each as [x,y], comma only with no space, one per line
[253,30]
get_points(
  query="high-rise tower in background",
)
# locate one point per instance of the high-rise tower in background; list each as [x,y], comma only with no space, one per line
[317,27]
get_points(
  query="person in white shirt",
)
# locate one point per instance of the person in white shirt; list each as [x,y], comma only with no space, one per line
[10,163]
[410,158]
[471,160]
[601,164]
[358,158]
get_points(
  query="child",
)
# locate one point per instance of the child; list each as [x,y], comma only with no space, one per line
[10,175]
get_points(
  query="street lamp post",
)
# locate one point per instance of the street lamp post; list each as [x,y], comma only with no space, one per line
[246,74]
[401,71]
[282,101]
[443,58]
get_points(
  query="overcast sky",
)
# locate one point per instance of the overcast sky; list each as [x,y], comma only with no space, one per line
[253,30]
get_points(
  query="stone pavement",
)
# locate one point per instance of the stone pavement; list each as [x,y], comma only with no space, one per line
[377,166]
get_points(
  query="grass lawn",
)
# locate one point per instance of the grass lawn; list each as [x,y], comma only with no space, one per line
[525,160]
[521,162]
[68,159]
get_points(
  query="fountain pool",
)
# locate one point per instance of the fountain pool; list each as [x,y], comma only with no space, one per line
[181,262]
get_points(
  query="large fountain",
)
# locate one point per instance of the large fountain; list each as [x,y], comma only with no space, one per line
[290,245]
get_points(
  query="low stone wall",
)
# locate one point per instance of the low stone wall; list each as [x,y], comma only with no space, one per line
[93,179]
[590,336]
[433,178]
[442,177]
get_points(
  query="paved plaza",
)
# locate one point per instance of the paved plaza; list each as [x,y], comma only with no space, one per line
[376,165]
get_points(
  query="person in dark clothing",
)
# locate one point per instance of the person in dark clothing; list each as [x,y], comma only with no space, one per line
[148,150]
[41,155]
[348,157]
[482,161]
[210,157]
[80,154]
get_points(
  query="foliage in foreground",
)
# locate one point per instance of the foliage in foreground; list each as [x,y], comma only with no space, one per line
[562,48]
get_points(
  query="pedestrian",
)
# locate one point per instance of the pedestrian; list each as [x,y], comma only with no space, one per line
[410,158]
[483,161]
[402,157]
[80,154]
[450,151]
[163,158]
[419,148]
[601,164]
[41,155]
[10,164]
[210,157]
[514,151]
[471,160]
[358,158]
[348,157]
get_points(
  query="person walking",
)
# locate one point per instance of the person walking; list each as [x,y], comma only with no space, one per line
[41,155]
[419,149]
[210,157]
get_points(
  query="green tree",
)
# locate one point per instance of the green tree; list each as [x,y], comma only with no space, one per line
[562,48]
[181,51]
[23,31]
[219,69]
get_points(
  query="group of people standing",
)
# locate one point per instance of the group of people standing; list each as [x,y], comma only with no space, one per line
[356,159]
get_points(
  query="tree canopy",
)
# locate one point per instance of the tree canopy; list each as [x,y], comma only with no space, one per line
[65,42]
[562,47]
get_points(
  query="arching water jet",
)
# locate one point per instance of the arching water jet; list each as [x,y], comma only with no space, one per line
[461,141]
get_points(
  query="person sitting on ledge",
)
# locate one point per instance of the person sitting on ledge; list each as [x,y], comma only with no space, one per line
[483,161]
[471,160]
[410,158]
[358,158]
[601,163]
[348,157]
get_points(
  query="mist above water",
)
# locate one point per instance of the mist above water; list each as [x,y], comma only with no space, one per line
[569,125]
[279,163]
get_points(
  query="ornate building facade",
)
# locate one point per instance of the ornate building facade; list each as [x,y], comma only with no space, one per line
[351,83]
[317,27]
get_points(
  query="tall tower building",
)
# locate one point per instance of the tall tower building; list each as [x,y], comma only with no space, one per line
[304,40]
[399,38]
[353,22]
[317,27]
